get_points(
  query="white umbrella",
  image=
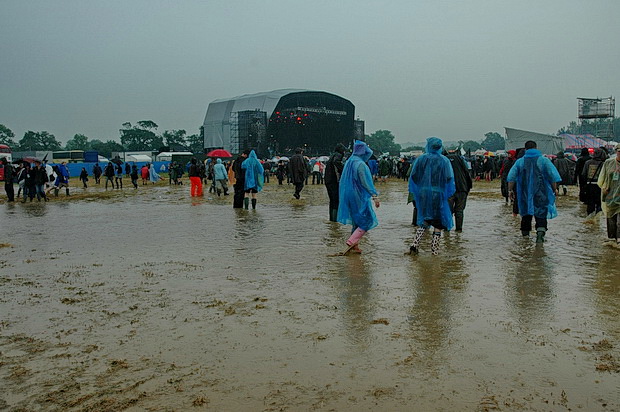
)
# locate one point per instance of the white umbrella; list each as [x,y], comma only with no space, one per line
[322,158]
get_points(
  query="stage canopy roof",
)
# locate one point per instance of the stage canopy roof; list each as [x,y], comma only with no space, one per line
[546,143]
[577,141]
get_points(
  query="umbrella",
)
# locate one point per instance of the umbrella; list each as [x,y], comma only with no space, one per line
[283,158]
[27,159]
[322,158]
[219,153]
[117,160]
[275,159]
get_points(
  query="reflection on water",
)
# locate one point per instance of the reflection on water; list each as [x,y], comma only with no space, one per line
[437,285]
[356,299]
[607,286]
[529,287]
[223,290]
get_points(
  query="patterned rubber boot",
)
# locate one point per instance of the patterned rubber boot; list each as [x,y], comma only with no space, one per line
[416,240]
[435,243]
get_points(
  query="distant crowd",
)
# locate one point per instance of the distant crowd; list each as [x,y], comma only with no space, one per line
[530,181]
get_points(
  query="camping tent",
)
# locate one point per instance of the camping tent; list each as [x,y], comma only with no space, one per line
[137,158]
[546,143]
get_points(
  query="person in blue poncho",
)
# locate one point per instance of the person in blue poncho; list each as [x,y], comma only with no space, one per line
[373,165]
[432,183]
[254,175]
[536,180]
[355,191]
[220,175]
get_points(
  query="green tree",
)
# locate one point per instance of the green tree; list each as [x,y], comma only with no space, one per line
[471,145]
[196,142]
[382,141]
[6,136]
[78,142]
[572,128]
[412,148]
[493,141]
[105,148]
[140,136]
[33,141]
[174,138]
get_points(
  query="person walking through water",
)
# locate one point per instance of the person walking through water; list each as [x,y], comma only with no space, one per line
[299,171]
[333,171]
[503,172]
[254,175]
[239,176]
[536,181]
[221,177]
[592,192]
[579,177]
[609,182]
[355,192]
[195,180]
[8,179]
[463,184]
[432,184]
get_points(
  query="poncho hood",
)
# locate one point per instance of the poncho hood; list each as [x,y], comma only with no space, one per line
[532,153]
[433,145]
[253,172]
[219,161]
[512,154]
[362,150]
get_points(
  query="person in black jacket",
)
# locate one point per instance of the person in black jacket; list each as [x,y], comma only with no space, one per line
[40,178]
[579,177]
[108,172]
[97,173]
[239,185]
[299,171]
[333,170]
[462,181]
[8,180]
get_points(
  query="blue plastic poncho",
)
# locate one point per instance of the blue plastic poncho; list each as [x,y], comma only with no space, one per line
[431,183]
[533,174]
[220,170]
[373,165]
[254,172]
[356,189]
[153,176]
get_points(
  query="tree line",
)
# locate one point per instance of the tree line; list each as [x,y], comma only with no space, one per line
[141,136]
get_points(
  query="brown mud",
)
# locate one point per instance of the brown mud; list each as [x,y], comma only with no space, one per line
[150,300]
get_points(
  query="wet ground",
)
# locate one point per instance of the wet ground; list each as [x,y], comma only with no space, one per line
[149,300]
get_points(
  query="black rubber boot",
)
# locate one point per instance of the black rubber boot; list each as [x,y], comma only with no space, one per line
[459,223]
[540,234]
[253,203]
[246,202]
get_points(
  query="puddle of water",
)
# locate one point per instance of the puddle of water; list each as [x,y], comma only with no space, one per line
[152,299]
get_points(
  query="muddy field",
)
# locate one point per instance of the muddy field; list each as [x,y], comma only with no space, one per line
[150,300]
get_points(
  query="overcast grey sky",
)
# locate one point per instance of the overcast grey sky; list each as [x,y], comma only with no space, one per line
[452,69]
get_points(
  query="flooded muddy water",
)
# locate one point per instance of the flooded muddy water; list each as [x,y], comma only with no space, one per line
[150,300]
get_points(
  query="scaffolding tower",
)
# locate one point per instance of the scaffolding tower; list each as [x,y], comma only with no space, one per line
[596,116]
[247,130]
